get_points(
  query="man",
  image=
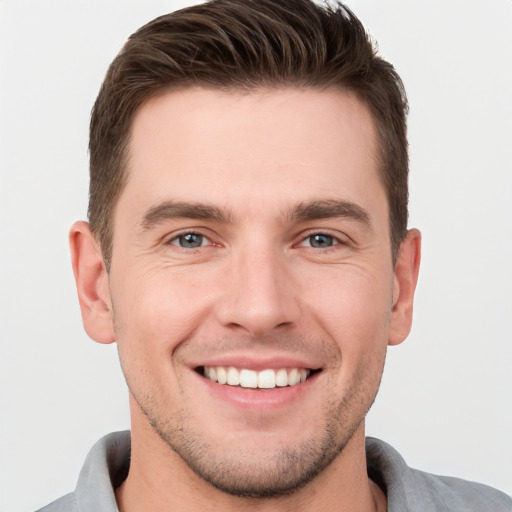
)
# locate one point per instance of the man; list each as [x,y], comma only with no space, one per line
[248,251]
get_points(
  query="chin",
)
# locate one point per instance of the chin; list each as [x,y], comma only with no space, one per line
[263,465]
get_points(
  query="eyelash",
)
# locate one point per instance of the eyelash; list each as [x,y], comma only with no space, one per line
[334,239]
[175,239]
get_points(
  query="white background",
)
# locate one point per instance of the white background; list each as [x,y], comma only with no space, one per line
[445,401]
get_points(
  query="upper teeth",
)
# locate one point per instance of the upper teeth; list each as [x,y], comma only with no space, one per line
[265,379]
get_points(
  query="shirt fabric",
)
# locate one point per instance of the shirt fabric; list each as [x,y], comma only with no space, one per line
[408,490]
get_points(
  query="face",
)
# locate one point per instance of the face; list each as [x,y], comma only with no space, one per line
[251,244]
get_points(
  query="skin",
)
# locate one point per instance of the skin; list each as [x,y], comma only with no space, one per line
[256,293]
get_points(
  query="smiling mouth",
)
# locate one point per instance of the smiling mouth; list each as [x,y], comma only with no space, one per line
[264,379]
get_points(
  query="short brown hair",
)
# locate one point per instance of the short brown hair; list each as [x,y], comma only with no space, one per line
[245,44]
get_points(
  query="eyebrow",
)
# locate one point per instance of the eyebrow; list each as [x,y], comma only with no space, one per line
[169,210]
[312,210]
[329,208]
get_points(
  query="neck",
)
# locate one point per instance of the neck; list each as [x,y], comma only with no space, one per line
[159,480]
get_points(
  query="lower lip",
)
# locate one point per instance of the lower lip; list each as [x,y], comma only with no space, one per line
[261,399]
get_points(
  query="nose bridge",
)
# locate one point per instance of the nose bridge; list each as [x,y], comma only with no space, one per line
[260,293]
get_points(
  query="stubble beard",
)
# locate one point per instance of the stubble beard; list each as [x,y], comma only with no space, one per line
[265,475]
[269,475]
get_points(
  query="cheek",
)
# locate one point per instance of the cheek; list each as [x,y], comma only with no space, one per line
[155,299]
[156,310]
[354,308]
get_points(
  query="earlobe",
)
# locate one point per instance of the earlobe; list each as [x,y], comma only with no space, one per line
[92,283]
[405,279]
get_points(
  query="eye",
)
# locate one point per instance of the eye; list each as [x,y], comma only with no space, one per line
[320,241]
[189,240]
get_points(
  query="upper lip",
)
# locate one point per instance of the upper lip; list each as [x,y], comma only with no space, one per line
[250,362]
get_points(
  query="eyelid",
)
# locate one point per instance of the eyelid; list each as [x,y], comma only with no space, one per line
[339,238]
[175,241]
[338,235]
[171,237]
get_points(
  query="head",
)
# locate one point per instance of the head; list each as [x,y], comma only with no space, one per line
[245,45]
[248,192]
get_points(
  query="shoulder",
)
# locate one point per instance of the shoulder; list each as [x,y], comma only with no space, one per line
[65,504]
[104,469]
[455,494]
[410,490]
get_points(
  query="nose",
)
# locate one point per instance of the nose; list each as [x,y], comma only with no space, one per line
[259,295]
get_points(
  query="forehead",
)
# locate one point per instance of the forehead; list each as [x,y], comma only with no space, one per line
[240,149]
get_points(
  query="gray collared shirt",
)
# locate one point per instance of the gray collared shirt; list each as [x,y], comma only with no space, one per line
[408,490]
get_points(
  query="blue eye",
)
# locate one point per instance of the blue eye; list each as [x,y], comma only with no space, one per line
[189,240]
[321,241]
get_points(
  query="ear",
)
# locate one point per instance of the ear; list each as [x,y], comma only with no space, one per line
[91,283]
[405,279]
